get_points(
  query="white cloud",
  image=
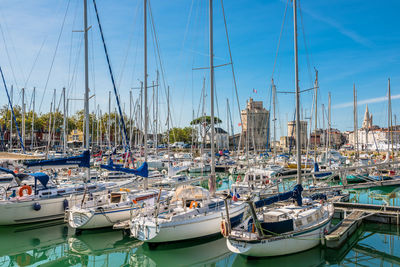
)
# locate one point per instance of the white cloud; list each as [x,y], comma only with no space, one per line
[366,101]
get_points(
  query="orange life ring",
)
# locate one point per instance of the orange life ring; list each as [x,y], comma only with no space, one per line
[24,188]
[224,228]
[193,204]
[69,172]
[134,201]
[24,259]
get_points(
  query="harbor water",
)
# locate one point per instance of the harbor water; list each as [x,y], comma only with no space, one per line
[54,244]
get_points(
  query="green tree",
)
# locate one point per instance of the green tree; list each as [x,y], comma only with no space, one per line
[181,135]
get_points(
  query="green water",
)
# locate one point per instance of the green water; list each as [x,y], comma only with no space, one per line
[54,244]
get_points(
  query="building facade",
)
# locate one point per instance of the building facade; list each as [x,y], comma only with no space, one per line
[291,127]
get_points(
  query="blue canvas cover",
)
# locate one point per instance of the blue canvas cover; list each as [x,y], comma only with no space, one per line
[295,194]
[41,177]
[142,171]
[320,175]
[82,160]
[7,171]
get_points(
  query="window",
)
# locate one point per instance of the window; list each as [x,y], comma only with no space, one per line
[298,223]
[309,219]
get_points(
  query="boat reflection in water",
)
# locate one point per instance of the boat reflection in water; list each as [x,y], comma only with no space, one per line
[54,244]
[39,243]
[98,242]
[312,257]
[187,253]
[103,247]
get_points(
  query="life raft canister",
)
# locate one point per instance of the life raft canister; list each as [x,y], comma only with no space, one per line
[25,188]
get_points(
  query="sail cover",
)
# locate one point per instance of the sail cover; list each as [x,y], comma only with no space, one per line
[77,161]
[141,171]
[295,194]
[7,171]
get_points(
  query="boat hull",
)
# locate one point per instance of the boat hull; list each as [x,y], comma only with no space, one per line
[280,245]
[24,212]
[81,219]
[200,226]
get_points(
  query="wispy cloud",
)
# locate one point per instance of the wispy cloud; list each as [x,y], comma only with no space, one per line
[340,28]
[366,101]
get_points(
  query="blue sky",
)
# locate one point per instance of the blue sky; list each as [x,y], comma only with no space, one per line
[347,41]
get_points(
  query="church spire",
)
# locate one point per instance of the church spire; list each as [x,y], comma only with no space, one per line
[367,123]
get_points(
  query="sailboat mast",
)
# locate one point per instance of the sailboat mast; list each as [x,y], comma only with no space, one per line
[86,105]
[145,86]
[64,122]
[329,120]
[130,117]
[23,116]
[168,117]
[296,73]
[390,119]
[109,120]
[157,102]
[355,120]
[11,118]
[274,119]
[33,118]
[316,115]
[212,182]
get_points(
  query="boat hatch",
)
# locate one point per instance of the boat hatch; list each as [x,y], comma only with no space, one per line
[115,197]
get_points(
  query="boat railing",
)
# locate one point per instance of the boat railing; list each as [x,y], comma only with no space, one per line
[243,234]
[4,190]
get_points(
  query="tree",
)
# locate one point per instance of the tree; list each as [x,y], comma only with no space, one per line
[181,135]
[205,122]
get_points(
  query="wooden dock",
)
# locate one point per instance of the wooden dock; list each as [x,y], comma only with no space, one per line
[357,213]
[344,229]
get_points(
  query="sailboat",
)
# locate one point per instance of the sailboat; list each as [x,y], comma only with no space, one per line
[285,229]
[192,212]
[41,200]
[44,201]
[105,210]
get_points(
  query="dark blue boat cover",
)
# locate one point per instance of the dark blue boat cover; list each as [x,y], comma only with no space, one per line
[141,171]
[295,194]
[79,161]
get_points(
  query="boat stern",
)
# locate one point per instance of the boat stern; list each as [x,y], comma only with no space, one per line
[79,218]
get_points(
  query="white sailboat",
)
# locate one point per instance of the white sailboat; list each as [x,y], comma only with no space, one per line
[43,201]
[284,229]
[105,210]
[193,212]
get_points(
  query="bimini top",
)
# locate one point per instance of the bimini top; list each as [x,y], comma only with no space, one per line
[190,192]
